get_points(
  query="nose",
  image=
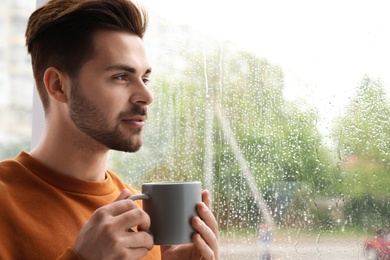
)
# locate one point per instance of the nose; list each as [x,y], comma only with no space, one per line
[142,95]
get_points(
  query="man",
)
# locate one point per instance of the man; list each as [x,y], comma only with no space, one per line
[59,201]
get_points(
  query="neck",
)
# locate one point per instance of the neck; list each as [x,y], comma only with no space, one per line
[76,156]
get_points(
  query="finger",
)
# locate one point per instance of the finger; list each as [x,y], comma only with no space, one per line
[206,232]
[206,198]
[204,250]
[135,217]
[138,240]
[123,195]
[116,208]
[207,216]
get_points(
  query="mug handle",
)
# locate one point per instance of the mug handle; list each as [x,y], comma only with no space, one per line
[139,197]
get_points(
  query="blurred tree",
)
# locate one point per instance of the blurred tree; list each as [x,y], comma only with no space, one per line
[363,140]
[364,130]
[363,143]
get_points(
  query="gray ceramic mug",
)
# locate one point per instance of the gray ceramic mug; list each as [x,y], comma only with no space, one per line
[171,206]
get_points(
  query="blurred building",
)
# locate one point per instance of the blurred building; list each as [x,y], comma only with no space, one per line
[16,80]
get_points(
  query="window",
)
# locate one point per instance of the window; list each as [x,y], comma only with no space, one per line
[16,79]
[281,109]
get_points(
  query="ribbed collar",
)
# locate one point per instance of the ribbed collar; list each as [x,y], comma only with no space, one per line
[65,182]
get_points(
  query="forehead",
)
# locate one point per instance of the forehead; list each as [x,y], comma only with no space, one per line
[115,47]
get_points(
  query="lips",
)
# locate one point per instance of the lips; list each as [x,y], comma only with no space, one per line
[135,121]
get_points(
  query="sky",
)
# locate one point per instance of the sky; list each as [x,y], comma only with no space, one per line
[324,47]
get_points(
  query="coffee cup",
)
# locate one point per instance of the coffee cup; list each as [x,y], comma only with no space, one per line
[170,206]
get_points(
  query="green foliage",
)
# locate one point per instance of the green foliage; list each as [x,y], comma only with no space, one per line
[364,130]
[369,212]
[363,140]
[363,143]
[365,177]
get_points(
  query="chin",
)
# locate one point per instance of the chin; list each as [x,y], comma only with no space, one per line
[134,148]
[129,147]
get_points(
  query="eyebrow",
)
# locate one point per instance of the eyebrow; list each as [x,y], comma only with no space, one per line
[126,68]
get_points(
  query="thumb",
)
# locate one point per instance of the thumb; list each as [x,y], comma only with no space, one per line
[124,195]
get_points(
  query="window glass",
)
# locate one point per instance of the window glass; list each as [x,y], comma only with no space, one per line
[16,80]
[281,108]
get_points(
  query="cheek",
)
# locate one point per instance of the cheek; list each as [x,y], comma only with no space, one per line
[116,99]
[112,104]
[101,94]
[110,99]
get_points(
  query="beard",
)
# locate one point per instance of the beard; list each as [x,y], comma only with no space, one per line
[91,119]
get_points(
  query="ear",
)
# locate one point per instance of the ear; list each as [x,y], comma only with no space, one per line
[56,83]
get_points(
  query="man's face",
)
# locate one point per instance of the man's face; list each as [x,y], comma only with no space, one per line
[109,99]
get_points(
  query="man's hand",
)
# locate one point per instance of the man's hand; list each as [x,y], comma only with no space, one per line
[106,235]
[205,241]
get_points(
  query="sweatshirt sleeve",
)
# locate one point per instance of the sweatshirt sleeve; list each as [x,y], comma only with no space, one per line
[70,255]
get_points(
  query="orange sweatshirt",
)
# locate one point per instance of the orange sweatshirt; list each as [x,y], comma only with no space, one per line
[42,211]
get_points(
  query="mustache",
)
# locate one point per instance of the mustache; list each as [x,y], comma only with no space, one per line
[134,111]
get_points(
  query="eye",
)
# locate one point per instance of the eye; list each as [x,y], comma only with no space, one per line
[146,81]
[120,77]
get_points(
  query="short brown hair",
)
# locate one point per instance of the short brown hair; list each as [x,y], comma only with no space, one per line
[60,33]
